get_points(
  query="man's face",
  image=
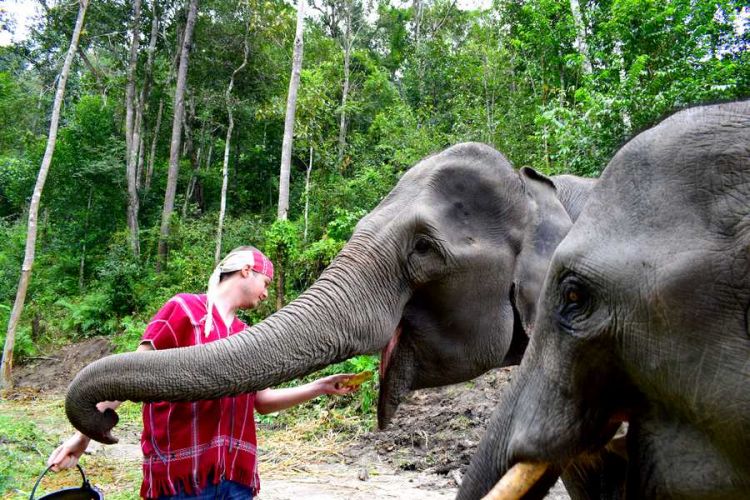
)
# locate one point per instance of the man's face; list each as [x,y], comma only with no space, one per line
[255,288]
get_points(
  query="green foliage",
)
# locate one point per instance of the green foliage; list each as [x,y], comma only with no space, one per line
[282,239]
[361,404]
[17,178]
[367,394]
[24,345]
[91,315]
[342,226]
[132,332]
[311,262]
[16,99]
[21,440]
[12,239]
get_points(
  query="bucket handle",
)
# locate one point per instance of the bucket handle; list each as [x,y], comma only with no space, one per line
[84,485]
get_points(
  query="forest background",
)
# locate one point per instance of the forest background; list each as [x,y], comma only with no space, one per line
[557,85]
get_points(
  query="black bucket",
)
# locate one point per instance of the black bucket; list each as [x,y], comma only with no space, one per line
[84,492]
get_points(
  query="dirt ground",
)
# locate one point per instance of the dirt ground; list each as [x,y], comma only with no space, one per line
[422,455]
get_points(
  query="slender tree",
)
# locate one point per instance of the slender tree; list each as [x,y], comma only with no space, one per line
[188,120]
[291,108]
[175,145]
[132,138]
[286,146]
[6,365]
[418,8]
[346,42]
[617,52]
[145,91]
[308,171]
[82,265]
[154,141]
[581,44]
[227,142]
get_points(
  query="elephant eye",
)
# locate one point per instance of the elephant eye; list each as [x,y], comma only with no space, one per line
[422,246]
[576,300]
[572,296]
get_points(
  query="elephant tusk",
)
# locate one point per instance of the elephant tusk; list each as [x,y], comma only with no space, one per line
[517,481]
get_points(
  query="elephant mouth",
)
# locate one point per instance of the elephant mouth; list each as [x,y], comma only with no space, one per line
[385,356]
[397,368]
[609,460]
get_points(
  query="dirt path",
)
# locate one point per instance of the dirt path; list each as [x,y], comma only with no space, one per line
[371,477]
[335,482]
[422,456]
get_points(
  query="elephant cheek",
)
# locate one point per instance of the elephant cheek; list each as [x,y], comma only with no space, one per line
[395,382]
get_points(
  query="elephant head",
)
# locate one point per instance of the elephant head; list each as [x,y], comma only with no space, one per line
[444,274]
[643,318]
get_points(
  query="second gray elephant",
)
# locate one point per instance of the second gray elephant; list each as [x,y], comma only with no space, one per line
[443,275]
[645,317]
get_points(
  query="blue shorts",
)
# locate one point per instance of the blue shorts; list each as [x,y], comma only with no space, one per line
[225,490]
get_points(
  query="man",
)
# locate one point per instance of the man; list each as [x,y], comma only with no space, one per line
[206,449]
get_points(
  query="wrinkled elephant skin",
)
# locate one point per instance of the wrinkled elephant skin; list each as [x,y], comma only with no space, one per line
[643,317]
[444,273]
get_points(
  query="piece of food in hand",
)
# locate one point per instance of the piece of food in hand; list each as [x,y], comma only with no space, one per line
[357,379]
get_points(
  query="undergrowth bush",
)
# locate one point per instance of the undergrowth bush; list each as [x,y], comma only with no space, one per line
[90,315]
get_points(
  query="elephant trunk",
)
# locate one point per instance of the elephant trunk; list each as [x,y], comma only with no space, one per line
[499,449]
[353,308]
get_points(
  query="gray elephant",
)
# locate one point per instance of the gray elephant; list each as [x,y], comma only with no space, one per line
[444,273]
[643,318]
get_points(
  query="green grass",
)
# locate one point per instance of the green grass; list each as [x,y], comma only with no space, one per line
[21,453]
[32,427]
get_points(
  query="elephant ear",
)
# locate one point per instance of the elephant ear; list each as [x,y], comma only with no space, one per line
[546,225]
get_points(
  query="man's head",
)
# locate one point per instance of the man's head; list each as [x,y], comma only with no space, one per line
[247,272]
[243,256]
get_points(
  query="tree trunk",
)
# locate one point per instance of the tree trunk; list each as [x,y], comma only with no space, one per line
[224,184]
[210,154]
[131,137]
[187,123]
[286,147]
[141,159]
[307,191]
[97,74]
[154,141]
[279,258]
[291,107]
[227,145]
[7,362]
[581,44]
[418,10]
[489,98]
[145,92]
[617,50]
[347,45]
[174,148]
[136,141]
[82,267]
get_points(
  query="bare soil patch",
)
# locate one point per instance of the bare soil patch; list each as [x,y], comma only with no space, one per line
[53,371]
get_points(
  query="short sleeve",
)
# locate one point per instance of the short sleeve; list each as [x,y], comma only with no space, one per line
[169,328]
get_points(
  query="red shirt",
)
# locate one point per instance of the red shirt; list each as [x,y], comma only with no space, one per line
[186,443]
